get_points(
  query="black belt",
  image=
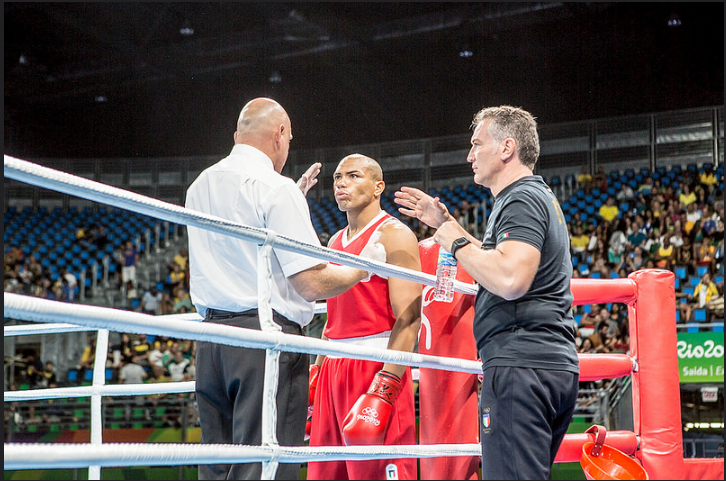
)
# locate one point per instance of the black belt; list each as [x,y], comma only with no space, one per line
[219,314]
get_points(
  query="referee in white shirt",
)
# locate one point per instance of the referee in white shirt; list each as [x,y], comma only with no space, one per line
[247,187]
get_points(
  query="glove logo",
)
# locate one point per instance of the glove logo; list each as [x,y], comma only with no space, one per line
[369,415]
[370,411]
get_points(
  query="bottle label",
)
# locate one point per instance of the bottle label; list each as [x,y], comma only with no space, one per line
[446,259]
[445,275]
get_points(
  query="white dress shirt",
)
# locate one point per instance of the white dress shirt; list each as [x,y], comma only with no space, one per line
[245,188]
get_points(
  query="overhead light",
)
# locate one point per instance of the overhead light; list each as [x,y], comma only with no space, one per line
[275,77]
[466,52]
[674,20]
[186,29]
[101,98]
[23,60]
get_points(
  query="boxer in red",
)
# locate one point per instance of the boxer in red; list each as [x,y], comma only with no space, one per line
[360,402]
[447,400]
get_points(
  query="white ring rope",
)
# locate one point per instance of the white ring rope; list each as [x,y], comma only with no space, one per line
[35,174]
[39,456]
[57,328]
[105,390]
[29,329]
[35,309]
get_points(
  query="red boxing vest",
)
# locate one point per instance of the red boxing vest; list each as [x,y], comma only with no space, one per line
[448,400]
[373,313]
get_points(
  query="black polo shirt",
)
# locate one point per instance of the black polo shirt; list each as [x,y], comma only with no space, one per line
[536,330]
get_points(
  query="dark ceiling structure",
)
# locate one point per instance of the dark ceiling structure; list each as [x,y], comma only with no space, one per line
[98,79]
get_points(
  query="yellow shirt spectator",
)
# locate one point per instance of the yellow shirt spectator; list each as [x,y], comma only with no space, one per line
[609,210]
[711,291]
[686,199]
[579,242]
[708,178]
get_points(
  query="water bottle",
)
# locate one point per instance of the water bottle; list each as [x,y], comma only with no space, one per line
[445,275]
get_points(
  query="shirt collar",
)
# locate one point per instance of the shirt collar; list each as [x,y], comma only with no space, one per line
[254,154]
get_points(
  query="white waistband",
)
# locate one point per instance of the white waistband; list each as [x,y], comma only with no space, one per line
[376,340]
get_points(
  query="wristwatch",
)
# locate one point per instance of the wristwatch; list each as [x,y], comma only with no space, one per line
[458,244]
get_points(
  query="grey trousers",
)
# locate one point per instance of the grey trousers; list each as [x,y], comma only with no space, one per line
[229,389]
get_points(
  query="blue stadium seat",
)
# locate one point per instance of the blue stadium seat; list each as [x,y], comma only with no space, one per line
[681,272]
[699,315]
[694,280]
[701,270]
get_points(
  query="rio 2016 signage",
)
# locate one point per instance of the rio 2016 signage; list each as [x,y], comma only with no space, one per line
[700,357]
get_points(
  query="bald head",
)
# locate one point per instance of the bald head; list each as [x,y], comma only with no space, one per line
[364,163]
[264,124]
[260,115]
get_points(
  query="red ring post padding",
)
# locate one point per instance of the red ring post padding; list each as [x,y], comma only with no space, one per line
[594,367]
[571,447]
[596,291]
[656,384]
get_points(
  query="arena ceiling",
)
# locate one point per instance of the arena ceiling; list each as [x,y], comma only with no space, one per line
[98,79]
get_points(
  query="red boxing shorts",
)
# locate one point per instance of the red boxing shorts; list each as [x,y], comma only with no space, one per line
[340,383]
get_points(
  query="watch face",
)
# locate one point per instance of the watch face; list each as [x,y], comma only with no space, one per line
[460,242]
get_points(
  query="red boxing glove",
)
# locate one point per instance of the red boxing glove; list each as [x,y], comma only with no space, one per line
[367,421]
[312,387]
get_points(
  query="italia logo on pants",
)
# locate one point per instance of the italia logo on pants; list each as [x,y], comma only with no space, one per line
[391,471]
[486,421]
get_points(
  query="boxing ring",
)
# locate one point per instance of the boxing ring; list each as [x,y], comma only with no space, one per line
[655,442]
